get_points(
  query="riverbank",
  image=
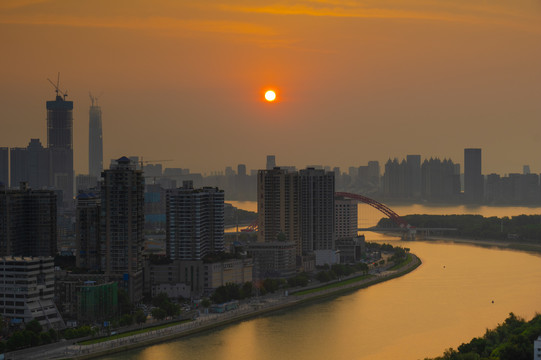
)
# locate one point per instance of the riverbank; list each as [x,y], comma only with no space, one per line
[212,321]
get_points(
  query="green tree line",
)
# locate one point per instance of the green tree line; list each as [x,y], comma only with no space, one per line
[511,340]
[521,227]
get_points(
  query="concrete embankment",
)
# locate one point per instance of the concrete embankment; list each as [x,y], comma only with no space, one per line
[246,311]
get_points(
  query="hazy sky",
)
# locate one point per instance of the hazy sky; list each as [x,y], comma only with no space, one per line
[356,80]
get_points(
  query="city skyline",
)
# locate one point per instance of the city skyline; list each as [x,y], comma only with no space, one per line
[355,81]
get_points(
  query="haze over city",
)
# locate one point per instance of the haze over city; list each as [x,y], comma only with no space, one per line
[355,80]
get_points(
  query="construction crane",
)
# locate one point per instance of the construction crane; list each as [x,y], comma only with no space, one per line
[57,87]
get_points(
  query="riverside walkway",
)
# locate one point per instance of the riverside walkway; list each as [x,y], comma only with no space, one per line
[209,321]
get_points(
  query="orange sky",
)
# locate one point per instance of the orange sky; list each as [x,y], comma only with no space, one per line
[356,80]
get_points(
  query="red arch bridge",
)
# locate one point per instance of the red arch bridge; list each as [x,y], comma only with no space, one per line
[407,231]
[402,224]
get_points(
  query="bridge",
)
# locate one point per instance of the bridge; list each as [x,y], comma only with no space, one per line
[407,231]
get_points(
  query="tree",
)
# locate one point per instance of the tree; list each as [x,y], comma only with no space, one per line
[126,319]
[53,334]
[140,317]
[158,313]
[124,304]
[205,303]
[45,338]
[246,290]
[34,326]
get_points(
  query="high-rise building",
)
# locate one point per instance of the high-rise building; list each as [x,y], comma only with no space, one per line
[413,176]
[345,218]
[27,222]
[155,197]
[122,223]
[316,194]
[85,182]
[241,170]
[278,206]
[60,144]
[194,222]
[4,166]
[18,166]
[88,231]
[271,162]
[31,165]
[95,140]
[439,180]
[394,179]
[473,178]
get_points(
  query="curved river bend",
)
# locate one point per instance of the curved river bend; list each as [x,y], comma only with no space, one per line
[456,294]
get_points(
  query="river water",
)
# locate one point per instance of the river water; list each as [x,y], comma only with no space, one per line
[456,294]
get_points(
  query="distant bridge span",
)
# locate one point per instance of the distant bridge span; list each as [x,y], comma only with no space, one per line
[379,206]
[366,200]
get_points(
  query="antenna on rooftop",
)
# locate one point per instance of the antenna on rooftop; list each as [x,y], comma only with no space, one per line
[57,87]
[94,99]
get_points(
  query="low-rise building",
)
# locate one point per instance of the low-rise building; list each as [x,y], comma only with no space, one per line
[195,278]
[27,291]
[236,271]
[275,259]
[97,302]
[351,249]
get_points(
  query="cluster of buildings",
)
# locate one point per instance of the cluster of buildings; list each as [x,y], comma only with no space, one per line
[301,224]
[434,180]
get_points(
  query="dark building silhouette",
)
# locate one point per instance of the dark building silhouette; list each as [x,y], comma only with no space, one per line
[32,165]
[122,224]
[194,222]
[394,179]
[60,144]
[27,222]
[4,166]
[241,170]
[88,231]
[473,178]
[413,176]
[271,162]
[278,206]
[95,139]
[439,180]
[316,194]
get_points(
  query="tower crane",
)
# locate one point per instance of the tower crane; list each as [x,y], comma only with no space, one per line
[57,87]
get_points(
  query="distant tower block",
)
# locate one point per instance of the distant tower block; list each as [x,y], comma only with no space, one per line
[60,141]
[526,169]
[271,162]
[95,140]
[473,178]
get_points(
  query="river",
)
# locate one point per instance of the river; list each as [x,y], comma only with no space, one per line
[457,293]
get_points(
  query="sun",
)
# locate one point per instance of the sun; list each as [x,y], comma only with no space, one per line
[270,96]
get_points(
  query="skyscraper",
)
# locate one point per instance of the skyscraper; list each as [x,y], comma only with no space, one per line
[122,223]
[316,193]
[27,222]
[194,222]
[413,176]
[4,166]
[473,178]
[271,162]
[95,140]
[31,165]
[88,232]
[345,218]
[278,206]
[60,144]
